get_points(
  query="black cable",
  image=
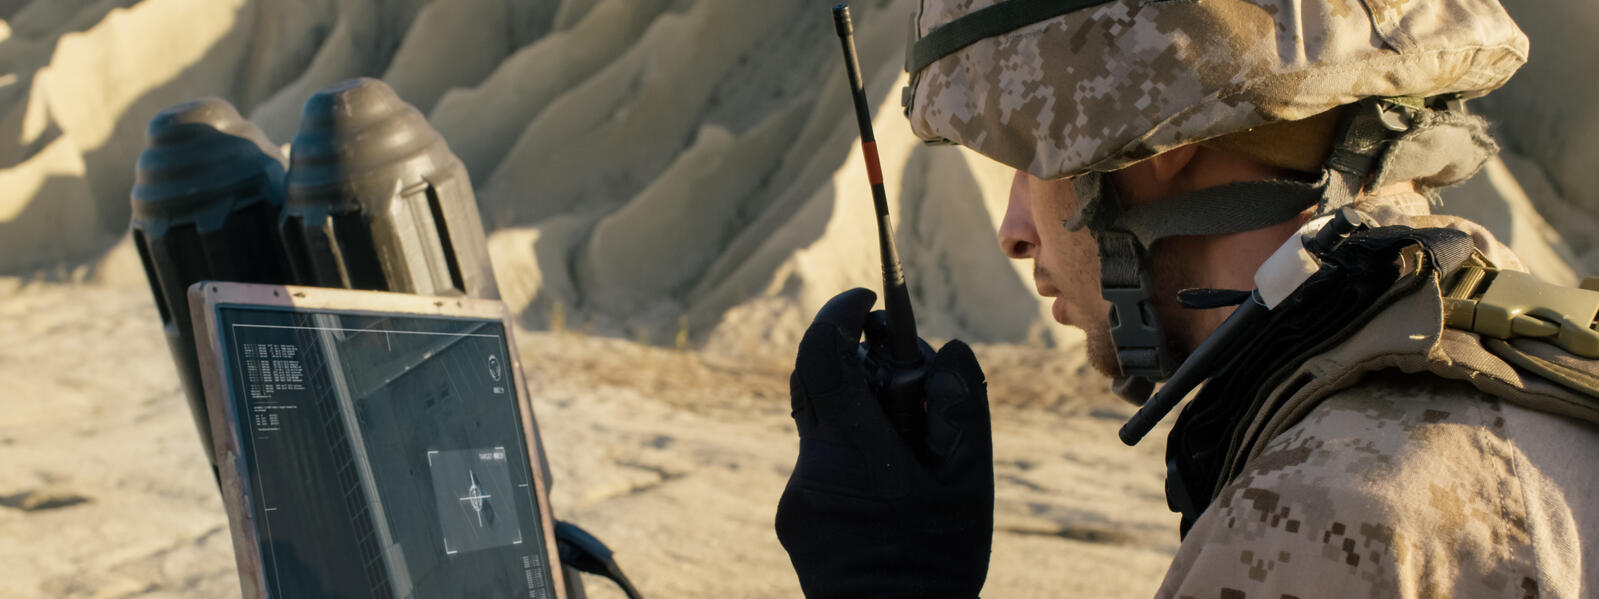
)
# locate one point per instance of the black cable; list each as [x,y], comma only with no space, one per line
[583,551]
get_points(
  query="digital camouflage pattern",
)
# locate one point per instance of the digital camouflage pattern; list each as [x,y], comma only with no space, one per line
[1106,86]
[1404,486]
[1415,464]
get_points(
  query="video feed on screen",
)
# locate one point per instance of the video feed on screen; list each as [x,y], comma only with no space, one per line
[385,455]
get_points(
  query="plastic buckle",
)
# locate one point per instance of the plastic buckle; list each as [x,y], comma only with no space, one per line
[1397,114]
[1516,304]
[1132,323]
[1133,326]
[1136,333]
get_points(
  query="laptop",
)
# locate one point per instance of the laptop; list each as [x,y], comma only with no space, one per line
[374,444]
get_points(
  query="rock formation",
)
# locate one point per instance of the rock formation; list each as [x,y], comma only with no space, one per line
[648,169]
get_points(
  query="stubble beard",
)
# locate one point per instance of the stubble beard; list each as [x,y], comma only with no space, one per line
[1100,348]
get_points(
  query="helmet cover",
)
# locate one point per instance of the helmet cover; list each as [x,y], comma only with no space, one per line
[1105,86]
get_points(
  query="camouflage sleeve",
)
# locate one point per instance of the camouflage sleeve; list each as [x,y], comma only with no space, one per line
[1401,487]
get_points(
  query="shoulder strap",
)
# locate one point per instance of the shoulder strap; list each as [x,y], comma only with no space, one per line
[1368,273]
[1577,375]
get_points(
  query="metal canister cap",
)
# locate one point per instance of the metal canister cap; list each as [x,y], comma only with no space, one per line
[202,161]
[357,141]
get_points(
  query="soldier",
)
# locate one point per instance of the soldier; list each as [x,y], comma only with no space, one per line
[1394,410]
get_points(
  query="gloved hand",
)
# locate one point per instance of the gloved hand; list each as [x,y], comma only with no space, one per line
[862,516]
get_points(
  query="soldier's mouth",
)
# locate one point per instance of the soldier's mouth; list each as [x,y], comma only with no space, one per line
[1058,310]
[1042,284]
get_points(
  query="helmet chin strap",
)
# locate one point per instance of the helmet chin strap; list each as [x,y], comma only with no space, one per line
[1144,352]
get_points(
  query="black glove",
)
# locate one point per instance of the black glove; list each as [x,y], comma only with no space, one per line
[863,516]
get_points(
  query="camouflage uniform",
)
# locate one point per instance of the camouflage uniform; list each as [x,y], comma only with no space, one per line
[1407,485]
[1404,486]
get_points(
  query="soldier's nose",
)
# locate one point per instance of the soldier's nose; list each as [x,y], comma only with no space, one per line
[1018,237]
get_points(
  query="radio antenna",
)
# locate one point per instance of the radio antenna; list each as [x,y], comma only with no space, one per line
[902,345]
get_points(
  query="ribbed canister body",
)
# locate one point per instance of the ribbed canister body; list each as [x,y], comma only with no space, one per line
[206,196]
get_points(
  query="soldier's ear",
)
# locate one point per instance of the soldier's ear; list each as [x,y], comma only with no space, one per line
[1158,177]
[1167,166]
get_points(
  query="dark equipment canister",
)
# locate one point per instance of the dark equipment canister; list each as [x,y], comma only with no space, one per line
[206,197]
[376,200]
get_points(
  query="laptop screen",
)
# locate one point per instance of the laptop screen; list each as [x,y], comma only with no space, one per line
[385,455]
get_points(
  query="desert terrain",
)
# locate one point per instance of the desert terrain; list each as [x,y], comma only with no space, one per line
[671,188]
[674,460]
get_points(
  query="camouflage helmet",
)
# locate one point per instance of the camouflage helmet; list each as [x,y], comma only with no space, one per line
[1060,87]
[1079,88]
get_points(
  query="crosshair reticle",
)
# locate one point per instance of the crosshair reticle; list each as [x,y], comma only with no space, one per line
[475,496]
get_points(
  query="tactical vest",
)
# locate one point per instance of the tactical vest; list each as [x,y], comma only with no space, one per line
[1420,300]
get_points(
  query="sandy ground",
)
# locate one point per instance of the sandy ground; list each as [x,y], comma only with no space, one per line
[674,461]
